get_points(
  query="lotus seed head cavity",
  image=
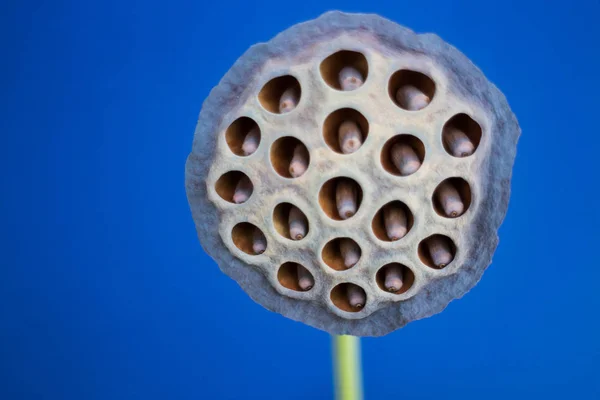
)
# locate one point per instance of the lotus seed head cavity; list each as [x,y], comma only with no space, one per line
[352,174]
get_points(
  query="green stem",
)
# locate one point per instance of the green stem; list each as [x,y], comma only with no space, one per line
[347,365]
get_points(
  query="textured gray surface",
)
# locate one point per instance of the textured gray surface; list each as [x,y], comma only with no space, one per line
[461,88]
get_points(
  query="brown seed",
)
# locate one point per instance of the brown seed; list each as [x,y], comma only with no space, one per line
[457,142]
[356,296]
[449,198]
[259,242]
[305,278]
[411,98]
[297,223]
[243,190]
[393,278]
[440,251]
[288,101]
[350,78]
[394,219]
[350,252]
[251,141]
[299,163]
[346,198]
[349,137]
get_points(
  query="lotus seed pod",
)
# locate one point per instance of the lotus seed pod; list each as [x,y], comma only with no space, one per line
[298,223]
[458,142]
[356,296]
[259,242]
[346,198]
[289,100]
[411,98]
[394,219]
[350,137]
[243,190]
[449,198]
[305,279]
[350,78]
[440,251]
[404,71]
[251,142]
[393,278]
[405,159]
[350,252]
[299,163]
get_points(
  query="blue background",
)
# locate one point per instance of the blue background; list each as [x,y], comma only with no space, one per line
[105,292]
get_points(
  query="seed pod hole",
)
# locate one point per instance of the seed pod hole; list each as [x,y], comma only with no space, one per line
[290,157]
[461,135]
[345,130]
[243,136]
[452,198]
[295,277]
[403,155]
[249,238]
[392,221]
[333,65]
[340,198]
[290,222]
[437,251]
[284,89]
[234,187]
[341,254]
[348,297]
[411,90]
[395,278]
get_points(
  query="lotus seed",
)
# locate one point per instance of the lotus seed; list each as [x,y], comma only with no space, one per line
[243,190]
[411,98]
[297,223]
[350,137]
[395,222]
[439,251]
[350,79]
[458,142]
[259,242]
[305,278]
[393,278]
[288,101]
[299,163]
[356,296]
[405,159]
[251,141]
[350,252]
[449,198]
[346,198]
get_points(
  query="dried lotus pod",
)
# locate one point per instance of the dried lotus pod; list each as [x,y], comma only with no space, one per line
[418,96]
